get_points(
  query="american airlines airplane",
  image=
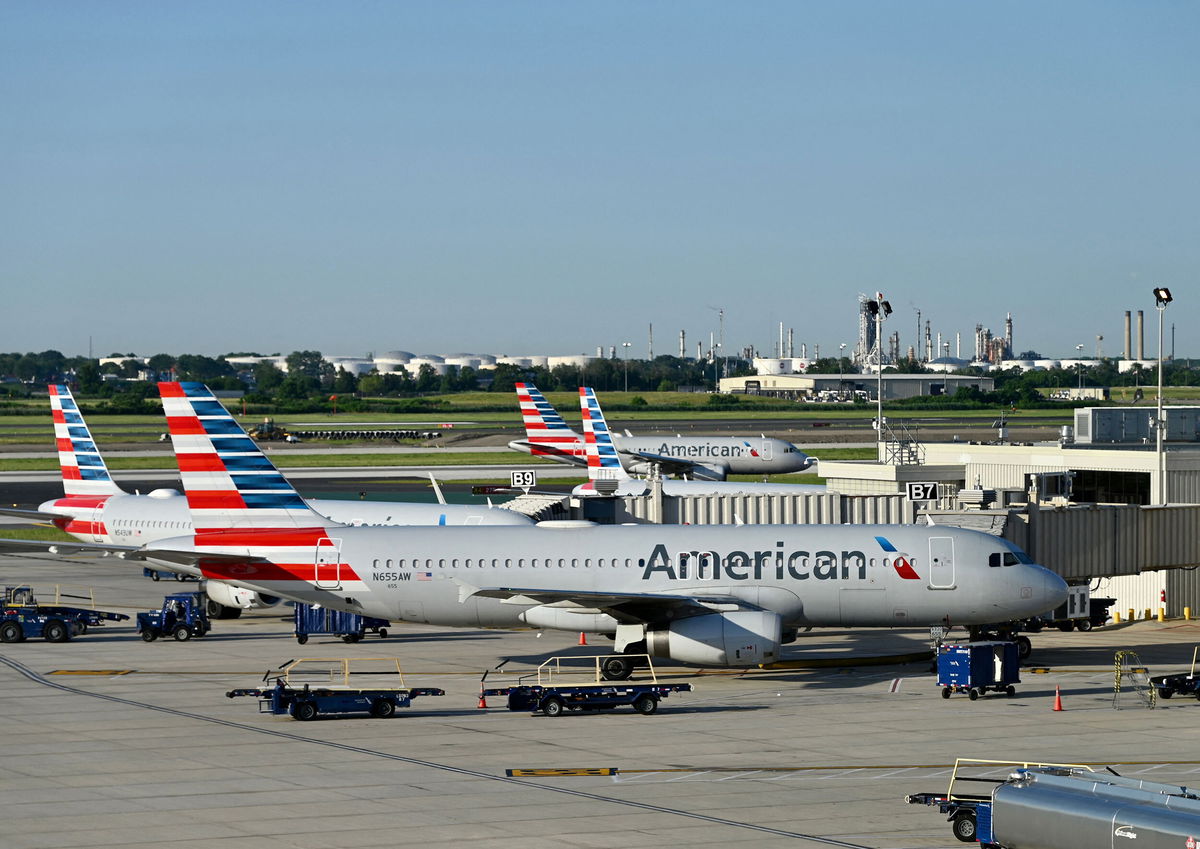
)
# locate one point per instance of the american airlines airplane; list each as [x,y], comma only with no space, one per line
[704,457]
[709,595]
[604,464]
[95,509]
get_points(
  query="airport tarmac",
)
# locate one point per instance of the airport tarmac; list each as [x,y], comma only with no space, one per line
[112,742]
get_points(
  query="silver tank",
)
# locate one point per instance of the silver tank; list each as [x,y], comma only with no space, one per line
[1090,811]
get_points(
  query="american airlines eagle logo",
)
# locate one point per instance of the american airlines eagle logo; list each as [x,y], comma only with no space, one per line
[902,563]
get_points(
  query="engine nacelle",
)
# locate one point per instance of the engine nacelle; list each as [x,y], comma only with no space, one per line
[740,638]
[564,619]
[238,598]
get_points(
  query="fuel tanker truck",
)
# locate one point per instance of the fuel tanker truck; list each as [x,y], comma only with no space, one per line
[1056,807]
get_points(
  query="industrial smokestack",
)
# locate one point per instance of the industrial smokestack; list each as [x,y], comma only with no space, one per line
[650,344]
[1128,338]
[683,344]
[1141,346]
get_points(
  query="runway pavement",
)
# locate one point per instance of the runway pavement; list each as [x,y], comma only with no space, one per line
[112,742]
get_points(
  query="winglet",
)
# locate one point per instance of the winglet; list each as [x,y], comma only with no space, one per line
[83,469]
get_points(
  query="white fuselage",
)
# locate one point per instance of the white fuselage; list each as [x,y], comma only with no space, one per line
[864,575]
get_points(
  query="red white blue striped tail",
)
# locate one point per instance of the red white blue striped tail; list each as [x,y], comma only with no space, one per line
[228,481]
[83,469]
[545,427]
[603,462]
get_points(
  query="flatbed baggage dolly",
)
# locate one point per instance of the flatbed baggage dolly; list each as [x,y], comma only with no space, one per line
[552,694]
[310,687]
[975,668]
[23,616]
[351,627]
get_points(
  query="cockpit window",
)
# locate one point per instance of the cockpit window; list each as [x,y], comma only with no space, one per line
[1007,558]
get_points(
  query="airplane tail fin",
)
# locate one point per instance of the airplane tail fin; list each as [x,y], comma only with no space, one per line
[83,469]
[228,481]
[603,462]
[546,432]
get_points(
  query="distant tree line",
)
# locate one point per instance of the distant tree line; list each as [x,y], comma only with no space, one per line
[311,383]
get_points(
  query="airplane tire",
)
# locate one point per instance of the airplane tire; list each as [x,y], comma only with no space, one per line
[11,632]
[1024,647]
[616,668]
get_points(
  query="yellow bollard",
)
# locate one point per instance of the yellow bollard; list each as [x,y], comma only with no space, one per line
[1131,616]
[1162,614]
[1187,613]
[1147,614]
[1116,617]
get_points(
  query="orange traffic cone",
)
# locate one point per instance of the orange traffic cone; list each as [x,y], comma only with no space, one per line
[582,638]
[1057,698]
[482,700]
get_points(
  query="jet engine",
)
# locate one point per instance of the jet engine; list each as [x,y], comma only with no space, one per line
[740,638]
[227,602]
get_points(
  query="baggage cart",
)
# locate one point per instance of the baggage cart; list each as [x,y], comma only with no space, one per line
[351,627]
[976,668]
[306,688]
[555,688]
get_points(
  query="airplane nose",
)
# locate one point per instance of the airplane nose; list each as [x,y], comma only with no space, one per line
[1054,590]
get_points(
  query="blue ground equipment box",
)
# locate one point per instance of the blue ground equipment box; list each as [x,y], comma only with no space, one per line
[351,627]
[975,668]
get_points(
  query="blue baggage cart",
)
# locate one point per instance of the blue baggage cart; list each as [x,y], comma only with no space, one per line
[975,668]
[351,627]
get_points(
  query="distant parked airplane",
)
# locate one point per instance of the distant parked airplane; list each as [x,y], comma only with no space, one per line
[706,457]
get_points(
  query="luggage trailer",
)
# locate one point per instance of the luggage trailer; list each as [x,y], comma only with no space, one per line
[306,688]
[550,693]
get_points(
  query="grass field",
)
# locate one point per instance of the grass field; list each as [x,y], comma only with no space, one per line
[47,534]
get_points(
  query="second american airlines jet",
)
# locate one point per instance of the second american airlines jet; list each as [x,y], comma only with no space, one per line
[706,457]
[94,508]
[711,595]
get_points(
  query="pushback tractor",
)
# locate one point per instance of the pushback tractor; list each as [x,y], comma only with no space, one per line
[182,616]
[557,686]
[310,687]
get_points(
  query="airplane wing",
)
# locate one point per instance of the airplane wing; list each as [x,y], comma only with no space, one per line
[624,607]
[31,515]
[123,552]
[678,465]
[547,450]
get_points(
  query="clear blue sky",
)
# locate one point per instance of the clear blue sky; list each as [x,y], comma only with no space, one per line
[546,177]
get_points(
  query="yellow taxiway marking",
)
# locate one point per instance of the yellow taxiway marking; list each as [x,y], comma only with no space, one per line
[547,773]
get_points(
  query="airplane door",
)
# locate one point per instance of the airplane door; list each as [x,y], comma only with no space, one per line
[328,563]
[97,523]
[941,563]
[767,449]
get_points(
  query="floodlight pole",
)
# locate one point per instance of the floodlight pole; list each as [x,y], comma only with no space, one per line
[879,381]
[1159,424]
